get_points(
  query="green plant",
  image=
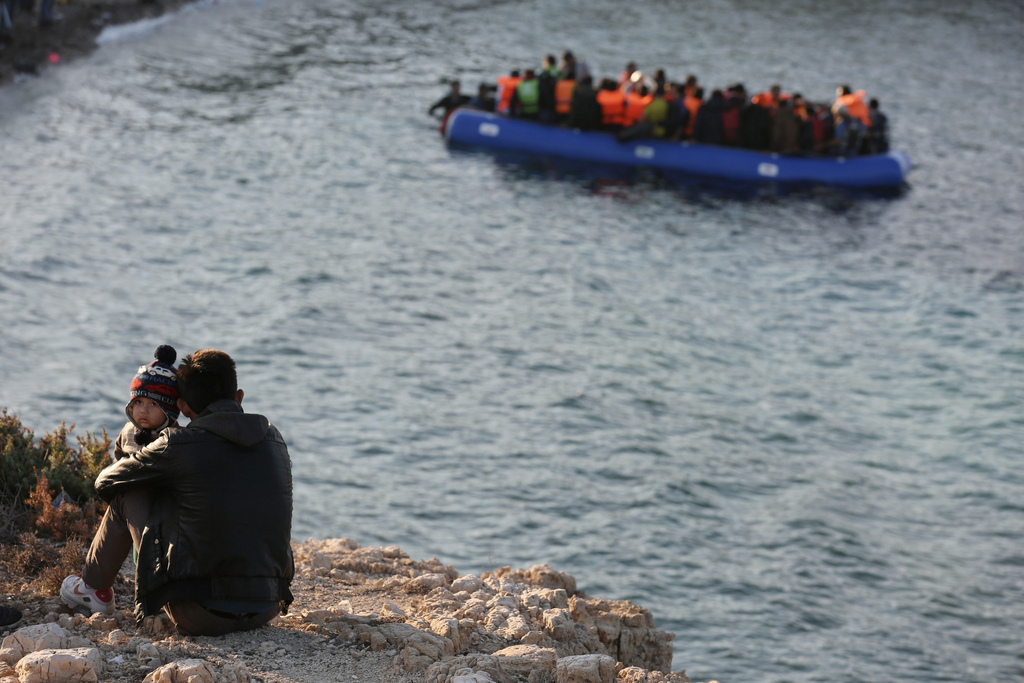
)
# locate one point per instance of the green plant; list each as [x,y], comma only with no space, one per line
[74,470]
[66,468]
[19,458]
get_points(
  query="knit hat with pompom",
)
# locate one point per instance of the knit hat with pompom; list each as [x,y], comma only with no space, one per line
[158,381]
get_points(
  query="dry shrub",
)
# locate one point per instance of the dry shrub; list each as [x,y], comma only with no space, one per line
[48,562]
[60,521]
[12,519]
[70,560]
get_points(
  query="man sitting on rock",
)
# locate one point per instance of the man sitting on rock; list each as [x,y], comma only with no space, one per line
[208,508]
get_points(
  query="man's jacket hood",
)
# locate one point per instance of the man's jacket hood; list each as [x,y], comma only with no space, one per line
[226,419]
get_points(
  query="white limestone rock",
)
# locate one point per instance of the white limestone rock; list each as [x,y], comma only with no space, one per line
[529,661]
[585,669]
[81,665]
[149,654]
[469,583]
[183,671]
[514,629]
[38,637]
[558,624]
[427,582]
[320,561]
[474,677]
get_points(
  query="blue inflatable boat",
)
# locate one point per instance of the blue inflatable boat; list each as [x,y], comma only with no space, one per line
[474,128]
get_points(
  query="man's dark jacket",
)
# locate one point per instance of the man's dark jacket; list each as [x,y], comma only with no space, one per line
[220,523]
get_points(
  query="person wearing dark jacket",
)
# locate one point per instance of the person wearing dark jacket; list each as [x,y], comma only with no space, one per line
[755,127]
[584,112]
[707,128]
[453,100]
[784,132]
[208,508]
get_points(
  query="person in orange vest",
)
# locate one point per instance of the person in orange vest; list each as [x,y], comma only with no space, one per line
[563,98]
[636,102]
[613,105]
[693,103]
[653,118]
[506,87]
[854,104]
[690,85]
[769,99]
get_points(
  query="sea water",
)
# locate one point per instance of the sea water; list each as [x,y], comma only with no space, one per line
[789,426]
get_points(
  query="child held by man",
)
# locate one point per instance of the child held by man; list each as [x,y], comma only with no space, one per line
[152,407]
[153,403]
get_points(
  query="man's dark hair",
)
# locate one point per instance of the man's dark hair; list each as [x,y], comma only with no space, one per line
[206,376]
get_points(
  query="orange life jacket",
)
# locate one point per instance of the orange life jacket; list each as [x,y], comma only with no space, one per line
[767,100]
[613,107]
[563,96]
[692,104]
[506,86]
[855,107]
[635,106]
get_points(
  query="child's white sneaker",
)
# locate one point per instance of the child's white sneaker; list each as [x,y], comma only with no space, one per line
[79,597]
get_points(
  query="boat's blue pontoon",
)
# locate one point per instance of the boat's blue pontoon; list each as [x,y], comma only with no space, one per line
[482,129]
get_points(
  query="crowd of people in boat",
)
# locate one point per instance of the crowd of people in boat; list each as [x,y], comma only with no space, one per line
[637,105]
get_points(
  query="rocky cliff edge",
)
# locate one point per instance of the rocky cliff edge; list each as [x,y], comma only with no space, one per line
[360,614]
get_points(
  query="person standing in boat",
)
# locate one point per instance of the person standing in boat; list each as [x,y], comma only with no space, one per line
[708,128]
[625,75]
[785,130]
[585,112]
[755,127]
[484,100]
[678,114]
[507,86]
[573,70]
[612,101]
[847,133]
[693,100]
[547,80]
[854,104]
[878,131]
[525,102]
[732,109]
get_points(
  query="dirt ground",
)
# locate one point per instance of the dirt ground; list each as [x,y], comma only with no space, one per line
[31,48]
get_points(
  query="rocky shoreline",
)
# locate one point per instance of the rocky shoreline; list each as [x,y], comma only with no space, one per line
[32,48]
[360,614]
